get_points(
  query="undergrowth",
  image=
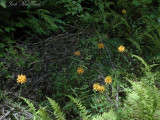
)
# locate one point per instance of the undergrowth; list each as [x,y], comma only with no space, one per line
[94,60]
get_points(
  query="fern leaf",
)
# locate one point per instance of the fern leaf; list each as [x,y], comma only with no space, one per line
[57,110]
[32,108]
[135,43]
[44,14]
[143,101]
[43,114]
[106,116]
[82,108]
[141,59]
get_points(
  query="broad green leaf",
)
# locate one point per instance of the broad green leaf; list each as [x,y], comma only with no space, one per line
[3,3]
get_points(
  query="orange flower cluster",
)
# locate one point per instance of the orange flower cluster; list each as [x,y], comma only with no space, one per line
[124,11]
[77,53]
[21,79]
[108,80]
[98,87]
[100,45]
[121,48]
[80,70]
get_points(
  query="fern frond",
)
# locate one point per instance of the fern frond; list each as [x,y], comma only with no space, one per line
[135,43]
[34,24]
[157,115]
[82,108]
[32,108]
[57,110]
[43,114]
[43,11]
[121,21]
[156,58]
[45,14]
[143,101]
[106,116]
[142,61]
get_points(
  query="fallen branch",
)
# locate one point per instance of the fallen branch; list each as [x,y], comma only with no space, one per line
[7,114]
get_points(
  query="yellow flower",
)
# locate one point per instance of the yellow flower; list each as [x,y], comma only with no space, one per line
[77,53]
[108,80]
[124,11]
[80,70]
[96,86]
[102,89]
[121,48]
[100,45]
[21,79]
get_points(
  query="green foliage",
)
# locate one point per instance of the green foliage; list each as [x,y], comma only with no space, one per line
[143,102]
[101,104]
[81,25]
[141,2]
[17,58]
[3,3]
[40,114]
[149,76]
[32,108]
[83,111]
[43,25]
[57,110]
[73,6]
[59,115]
[1,95]
[43,114]
[106,116]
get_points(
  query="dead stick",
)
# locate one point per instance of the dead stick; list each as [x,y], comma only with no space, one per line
[6,114]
